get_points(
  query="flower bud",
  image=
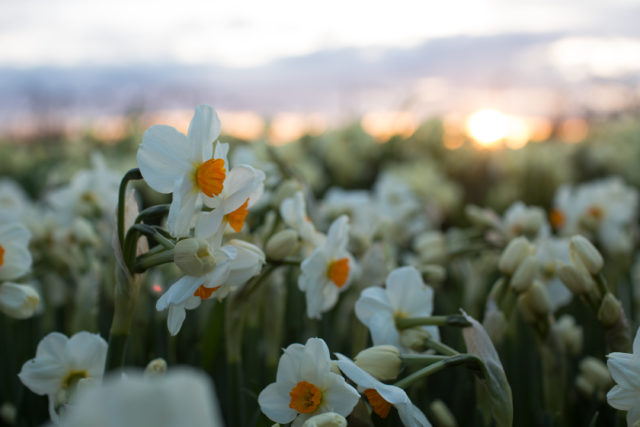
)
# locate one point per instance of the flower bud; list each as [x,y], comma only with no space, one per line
[8,413]
[524,274]
[18,301]
[285,190]
[495,323]
[570,334]
[609,311]
[433,273]
[156,367]
[382,361]
[328,419]
[481,217]
[577,281]
[193,257]
[582,249]
[515,252]
[596,372]
[441,414]
[534,303]
[282,244]
[430,247]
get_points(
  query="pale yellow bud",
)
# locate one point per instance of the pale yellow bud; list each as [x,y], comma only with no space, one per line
[570,334]
[433,273]
[534,303]
[441,415]
[156,367]
[8,413]
[431,248]
[282,244]
[18,301]
[582,249]
[495,323]
[524,274]
[609,311]
[596,372]
[577,281]
[193,257]
[516,251]
[584,386]
[381,361]
[481,217]
[328,419]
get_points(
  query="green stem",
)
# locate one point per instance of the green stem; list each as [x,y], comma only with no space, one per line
[421,359]
[147,261]
[459,359]
[450,320]
[440,347]
[286,261]
[133,174]
[250,287]
[151,212]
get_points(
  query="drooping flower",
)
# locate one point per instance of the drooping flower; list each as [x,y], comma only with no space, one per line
[60,363]
[405,295]
[625,371]
[305,386]
[185,165]
[326,272]
[382,396]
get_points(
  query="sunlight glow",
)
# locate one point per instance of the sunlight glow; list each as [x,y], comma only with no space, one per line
[487,127]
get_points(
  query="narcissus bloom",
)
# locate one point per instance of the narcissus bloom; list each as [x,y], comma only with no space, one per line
[242,189]
[60,363]
[185,165]
[625,371]
[382,396]
[326,272]
[15,258]
[405,295]
[305,386]
[294,213]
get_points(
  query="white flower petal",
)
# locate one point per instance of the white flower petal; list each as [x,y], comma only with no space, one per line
[412,416]
[186,201]
[18,301]
[208,223]
[88,352]
[182,289]
[338,396]
[275,405]
[625,369]
[204,129]
[163,157]
[176,317]
[623,398]
[338,235]
[408,293]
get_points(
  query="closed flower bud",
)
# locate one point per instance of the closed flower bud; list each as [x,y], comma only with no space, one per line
[156,367]
[193,257]
[596,372]
[577,281]
[441,414]
[495,323]
[328,419]
[481,217]
[515,252]
[433,273]
[570,334]
[282,244]
[8,413]
[285,190]
[534,303]
[18,301]
[430,247]
[524,274]
[382,361]
[582,249]
[609,311]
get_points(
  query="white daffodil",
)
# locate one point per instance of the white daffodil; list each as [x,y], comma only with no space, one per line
[551,253]
[15,258]
[213,273]
[326,272]
[60,363]
[293,211]
[529,221]
[625,371]
[305,386]
[242,189]
[185,165]
[382,396]
[180,397]
[207,267]
[405,295]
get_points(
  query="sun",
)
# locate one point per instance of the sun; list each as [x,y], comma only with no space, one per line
[487,127]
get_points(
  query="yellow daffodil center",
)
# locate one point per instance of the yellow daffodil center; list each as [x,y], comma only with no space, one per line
[237,217]
[204,293]
[557,218]
[73,377]
[338,271]
[595,212]
[1,255]
[380,406]
[305,397]
[210,177]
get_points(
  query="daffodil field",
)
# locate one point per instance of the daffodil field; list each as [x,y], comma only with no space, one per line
[193,279]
